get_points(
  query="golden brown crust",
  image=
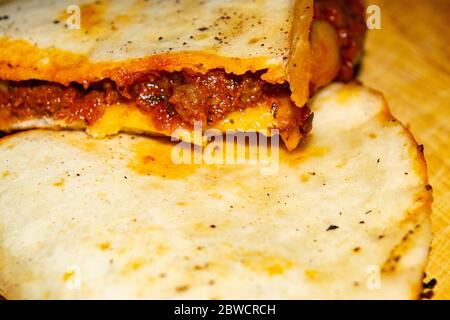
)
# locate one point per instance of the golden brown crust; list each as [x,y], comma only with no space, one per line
[56,65]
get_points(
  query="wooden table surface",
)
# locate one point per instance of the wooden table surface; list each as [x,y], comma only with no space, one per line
[408,59]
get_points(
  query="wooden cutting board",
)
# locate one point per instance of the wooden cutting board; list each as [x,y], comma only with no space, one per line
[408,59]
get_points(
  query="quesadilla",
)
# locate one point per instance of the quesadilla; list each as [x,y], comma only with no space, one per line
[345,217]
[158,66]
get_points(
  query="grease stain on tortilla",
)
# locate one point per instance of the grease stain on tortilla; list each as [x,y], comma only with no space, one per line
[342,163]
[124,19]
[91,16]
[304,177]
[133,265]
[68,275]
[300,155]
[5,174]
[104,246]
[307,176]
[161,250]
[311,274]
[201,228]
[215,195]
[59,183]
[102,195]
[154,158]
[254,40]
[264,263]
[182,288]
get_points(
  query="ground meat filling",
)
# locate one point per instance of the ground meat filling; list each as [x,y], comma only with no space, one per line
[187,97]
[171,100]
[348,18]
[36,99]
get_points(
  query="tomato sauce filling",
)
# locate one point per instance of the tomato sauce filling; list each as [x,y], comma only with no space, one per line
[348,18]
[171,100]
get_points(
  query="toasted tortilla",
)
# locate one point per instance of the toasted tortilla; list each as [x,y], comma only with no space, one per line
[346,217]
[119,37]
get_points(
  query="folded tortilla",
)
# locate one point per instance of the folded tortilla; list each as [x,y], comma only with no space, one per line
[345,217]
[157,66]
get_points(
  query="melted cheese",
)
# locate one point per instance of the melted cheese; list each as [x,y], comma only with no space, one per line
[259,118]
[120,117]
[123,117]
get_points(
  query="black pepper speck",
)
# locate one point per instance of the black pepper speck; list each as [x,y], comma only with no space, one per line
[332,227]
